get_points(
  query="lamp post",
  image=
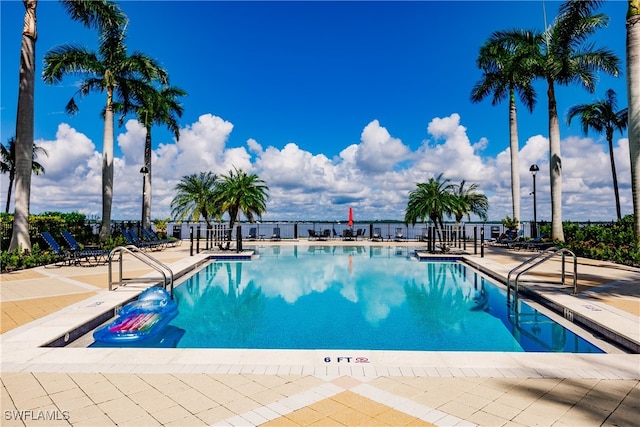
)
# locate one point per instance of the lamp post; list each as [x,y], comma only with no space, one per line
[144,170]
[534,232]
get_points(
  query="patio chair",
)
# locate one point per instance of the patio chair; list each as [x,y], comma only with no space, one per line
[133,239]
[347,234]
[152,236]
[326,235]
[276,233]
[360,233]
[252,233]
[399,236]
[64,257]
[312,234]
[99,255]
[377,235]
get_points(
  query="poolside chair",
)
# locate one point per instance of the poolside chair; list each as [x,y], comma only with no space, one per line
[276,233]
[133,239]
[252,234]
[360,233]
[347,234]
[424,236]
[64,257]
[99,256]
[326,234]
[399,236]
[312,234]
[152,236]
[377,235]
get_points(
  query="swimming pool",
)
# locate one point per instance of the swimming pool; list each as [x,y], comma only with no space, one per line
[356,297]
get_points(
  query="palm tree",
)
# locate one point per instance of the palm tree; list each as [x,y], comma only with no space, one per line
[240,192]
[433,199]
[504,61]
[469,201]
[195,198]
[565,57]
[113,71]
[159,107]
[8,164]
[602,116]
[24,130]
[633,95]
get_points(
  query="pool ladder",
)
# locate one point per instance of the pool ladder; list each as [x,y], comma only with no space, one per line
[536,260]
[167,273]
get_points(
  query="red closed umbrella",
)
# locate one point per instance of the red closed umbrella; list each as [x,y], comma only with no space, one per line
[350,222]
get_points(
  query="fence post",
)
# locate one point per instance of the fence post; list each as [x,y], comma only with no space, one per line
[198,239]
[238,238]
[482,242]
[191,239]
[475,240]
[464,238]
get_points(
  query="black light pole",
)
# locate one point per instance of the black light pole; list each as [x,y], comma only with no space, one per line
[533,169]
[144,171]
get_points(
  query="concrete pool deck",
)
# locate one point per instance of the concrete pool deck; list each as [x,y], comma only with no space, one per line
[109,386]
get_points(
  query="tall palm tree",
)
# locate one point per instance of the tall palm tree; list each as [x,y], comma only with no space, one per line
[469,201]
[159,107]
[433,199]
[110,70]
[602,116]
[633,95]
[242,193]
[8,163]
[504,60]
[24,129]
[195,198]
[565,57]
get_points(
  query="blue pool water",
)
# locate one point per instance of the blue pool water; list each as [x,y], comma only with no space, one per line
[375,298]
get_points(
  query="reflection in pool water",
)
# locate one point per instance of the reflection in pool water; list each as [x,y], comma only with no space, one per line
[356,297]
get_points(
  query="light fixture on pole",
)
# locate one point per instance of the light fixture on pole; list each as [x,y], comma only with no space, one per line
[144,170]
[534,230]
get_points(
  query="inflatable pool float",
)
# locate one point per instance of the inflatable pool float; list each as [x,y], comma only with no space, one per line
[141,319]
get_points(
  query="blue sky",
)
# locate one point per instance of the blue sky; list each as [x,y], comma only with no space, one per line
[333,104]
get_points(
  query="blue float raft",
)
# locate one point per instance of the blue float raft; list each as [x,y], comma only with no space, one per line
[140,320]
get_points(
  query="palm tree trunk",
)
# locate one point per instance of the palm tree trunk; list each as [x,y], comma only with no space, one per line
[146,217]
[613,172]
[11,178]
[514,148]
[555,166]
[24,130]
[107,168]
[633,94]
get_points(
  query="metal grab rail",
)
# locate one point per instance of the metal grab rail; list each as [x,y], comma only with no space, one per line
[540,258]
[145,258]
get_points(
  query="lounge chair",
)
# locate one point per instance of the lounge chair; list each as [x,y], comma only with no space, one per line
[64,257]
[326,235]
[347,234]
[424,237]
[360,233]
[98,255]
[377,235]
[276,233]
[313,235]
[399,236]
[133,239]
[151,236]
[252,234]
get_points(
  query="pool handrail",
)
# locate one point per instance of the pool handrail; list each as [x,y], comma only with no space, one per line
[540,258]
[145,258]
